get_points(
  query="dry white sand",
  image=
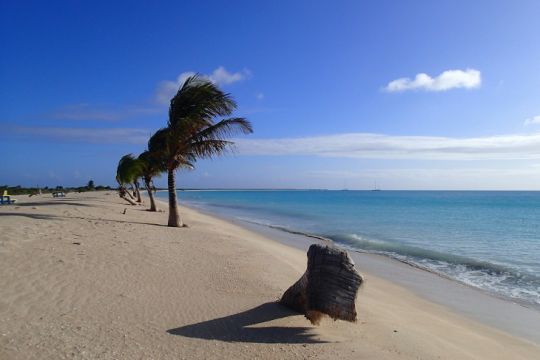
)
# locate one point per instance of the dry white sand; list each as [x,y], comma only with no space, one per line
[78,279]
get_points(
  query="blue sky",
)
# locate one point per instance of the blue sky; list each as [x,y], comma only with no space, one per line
[411,95]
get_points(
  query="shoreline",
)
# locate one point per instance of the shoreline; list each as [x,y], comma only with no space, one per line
[83,280]
[472,250]
[504,313]
[388,257]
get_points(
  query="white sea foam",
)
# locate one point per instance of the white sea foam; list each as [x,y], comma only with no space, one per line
[495,278]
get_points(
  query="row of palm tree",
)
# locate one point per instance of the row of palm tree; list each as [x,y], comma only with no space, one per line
[198,127]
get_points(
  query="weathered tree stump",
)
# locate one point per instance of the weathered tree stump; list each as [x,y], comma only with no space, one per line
[329,286]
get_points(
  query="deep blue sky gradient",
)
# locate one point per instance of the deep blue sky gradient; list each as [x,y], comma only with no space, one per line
[321,66]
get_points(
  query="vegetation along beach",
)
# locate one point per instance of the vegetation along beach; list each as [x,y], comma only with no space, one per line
[269,180]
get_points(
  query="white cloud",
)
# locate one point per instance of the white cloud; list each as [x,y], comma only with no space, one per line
[532,121]
[449,79]
[378,146]
[81,135]
[349,145]
[220,76]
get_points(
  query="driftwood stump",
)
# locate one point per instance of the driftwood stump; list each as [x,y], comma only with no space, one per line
[329,286]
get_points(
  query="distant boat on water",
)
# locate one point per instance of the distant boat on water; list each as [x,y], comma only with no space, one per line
[376,188]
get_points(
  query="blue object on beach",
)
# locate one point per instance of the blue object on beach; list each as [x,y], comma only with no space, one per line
[6,199]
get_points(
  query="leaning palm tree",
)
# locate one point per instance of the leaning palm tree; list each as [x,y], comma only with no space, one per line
[136,190]
[151,166]
[192,131]
[128,171]
[122,177]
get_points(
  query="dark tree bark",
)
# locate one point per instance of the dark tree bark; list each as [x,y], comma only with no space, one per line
[122,192]
[131,202]
[329,286]
[174,217]
[148,184]
[137,191]
[128,193]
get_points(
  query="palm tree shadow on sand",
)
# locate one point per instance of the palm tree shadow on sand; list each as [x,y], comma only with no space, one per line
[238,328]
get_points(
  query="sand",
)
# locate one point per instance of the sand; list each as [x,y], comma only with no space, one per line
[81,280]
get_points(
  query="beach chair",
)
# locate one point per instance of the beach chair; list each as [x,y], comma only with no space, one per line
[6,199]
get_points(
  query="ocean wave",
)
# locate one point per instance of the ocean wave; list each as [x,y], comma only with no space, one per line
[497,278]
[355,240]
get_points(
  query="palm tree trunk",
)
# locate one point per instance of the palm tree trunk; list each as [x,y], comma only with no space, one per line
[123,192]
[174,217]
[131,202]
[137,192]
[150,195]
[329,286]
[128,193]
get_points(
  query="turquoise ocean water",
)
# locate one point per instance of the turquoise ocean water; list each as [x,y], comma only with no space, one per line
[490,240]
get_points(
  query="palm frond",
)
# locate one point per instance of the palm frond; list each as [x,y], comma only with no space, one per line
[224,129]
[128,170]
[151,164]
[199,101]
[159,145]
[158,142]
[210,148]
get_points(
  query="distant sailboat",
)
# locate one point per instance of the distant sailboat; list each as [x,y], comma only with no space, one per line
[375,188]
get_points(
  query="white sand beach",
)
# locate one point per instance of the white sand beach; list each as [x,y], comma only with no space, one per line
[81,280]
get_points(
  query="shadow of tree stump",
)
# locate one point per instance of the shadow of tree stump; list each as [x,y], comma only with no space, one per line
[245,327]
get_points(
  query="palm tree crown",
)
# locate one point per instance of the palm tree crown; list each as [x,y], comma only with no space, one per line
[150,164]
[191,131]
[128,170]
